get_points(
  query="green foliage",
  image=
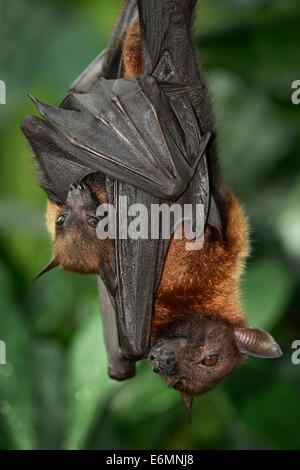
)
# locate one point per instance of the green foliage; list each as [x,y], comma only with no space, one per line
[54,389]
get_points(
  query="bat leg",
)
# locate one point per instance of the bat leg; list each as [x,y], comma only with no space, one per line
[119,368]
[89,76]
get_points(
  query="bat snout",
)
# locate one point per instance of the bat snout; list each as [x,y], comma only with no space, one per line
[80,198]
[162,360]
[77,188]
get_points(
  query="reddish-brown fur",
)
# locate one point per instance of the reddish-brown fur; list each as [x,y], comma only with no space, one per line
[132,55]
[81,252]
[75,250]
[205,281]
[52,212]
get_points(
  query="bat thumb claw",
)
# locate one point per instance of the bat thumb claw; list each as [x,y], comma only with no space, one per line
[204,141]
[53,264]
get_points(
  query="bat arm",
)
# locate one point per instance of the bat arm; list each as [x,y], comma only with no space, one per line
[109,61]
[88,77]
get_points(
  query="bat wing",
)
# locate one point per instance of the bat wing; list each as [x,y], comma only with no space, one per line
[57,168]
[126,128]
[56,175]
[142,131]
[166,27]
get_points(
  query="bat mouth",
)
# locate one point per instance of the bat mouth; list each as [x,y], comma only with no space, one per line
[179,383]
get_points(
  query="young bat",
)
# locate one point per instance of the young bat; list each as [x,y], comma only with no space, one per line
[146,132]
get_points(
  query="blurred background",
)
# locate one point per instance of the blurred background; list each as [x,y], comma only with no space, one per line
[54,389]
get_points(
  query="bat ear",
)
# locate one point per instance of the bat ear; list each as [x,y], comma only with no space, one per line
[187,399]
[53,264]
[256,342]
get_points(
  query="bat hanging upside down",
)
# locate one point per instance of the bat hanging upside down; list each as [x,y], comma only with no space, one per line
[138,123]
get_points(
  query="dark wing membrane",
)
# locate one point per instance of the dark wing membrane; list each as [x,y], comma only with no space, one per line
[166,26]
[125,129]
[57,165]
[139,264]
[119,368]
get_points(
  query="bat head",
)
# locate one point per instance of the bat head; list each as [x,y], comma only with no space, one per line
[76,245]
[195,354]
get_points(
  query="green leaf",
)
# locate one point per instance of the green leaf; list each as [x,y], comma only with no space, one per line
[16,401]
[288,222]
[274,416]
[48,365]
[266,291]
[87,384]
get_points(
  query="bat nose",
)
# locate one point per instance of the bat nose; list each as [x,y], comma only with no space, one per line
[76,187]
[79,198]
[78,191]
[162,360]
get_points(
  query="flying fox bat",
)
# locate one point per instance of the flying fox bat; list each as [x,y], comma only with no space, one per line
[138,123]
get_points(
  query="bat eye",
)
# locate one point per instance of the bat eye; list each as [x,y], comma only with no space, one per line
[92,221]
[210,361]
[61,220]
